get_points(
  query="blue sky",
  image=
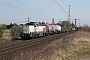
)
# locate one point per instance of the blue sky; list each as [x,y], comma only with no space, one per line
[16,11]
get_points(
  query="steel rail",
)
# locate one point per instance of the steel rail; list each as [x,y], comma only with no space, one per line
[30,43]
[17,47]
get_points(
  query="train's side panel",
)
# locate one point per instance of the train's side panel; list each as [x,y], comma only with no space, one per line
[25,29]
[32,31]
[48,27]
[66,29]
[42,28]
[58,29]
[53,28]
[28,29]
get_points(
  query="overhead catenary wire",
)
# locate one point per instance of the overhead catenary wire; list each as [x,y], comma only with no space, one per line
[32,7]
[12,11]
[25,4]
[8,1]
[35,18]
[22,14]
[15,7]
[22,9]
[17,13]
[8,4]
[60,6]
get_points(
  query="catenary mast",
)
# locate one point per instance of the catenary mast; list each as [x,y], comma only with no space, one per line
[69,14]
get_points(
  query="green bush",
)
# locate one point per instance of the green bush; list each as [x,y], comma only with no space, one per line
[1,31]
[15,32]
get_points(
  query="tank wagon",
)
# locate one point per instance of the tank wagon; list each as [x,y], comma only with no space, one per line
[58,29]
[32,30]
[48,27]
[52,28]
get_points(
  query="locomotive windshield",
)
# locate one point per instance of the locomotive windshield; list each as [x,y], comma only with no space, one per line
[31,23]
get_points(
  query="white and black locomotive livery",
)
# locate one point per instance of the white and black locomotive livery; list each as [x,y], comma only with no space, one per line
[31,30]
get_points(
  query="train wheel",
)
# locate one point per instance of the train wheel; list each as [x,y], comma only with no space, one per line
[44,34]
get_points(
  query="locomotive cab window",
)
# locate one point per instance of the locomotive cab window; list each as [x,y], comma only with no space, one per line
[36,25]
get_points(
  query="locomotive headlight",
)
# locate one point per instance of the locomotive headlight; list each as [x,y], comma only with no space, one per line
[22,35]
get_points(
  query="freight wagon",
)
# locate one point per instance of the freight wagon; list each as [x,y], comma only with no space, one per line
[52,28]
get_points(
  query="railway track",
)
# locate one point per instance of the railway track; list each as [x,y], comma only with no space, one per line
[7,44]
[23,44]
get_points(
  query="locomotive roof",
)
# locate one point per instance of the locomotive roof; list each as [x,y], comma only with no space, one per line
[31,23]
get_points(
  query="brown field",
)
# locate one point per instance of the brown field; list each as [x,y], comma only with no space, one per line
[79,48]
[75,46]
[5,37]
[72,47]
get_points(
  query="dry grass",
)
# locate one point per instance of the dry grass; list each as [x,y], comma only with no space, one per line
[86,29]
[72,47]
[80,47]
[75,46]
[6,34]
[4,40]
